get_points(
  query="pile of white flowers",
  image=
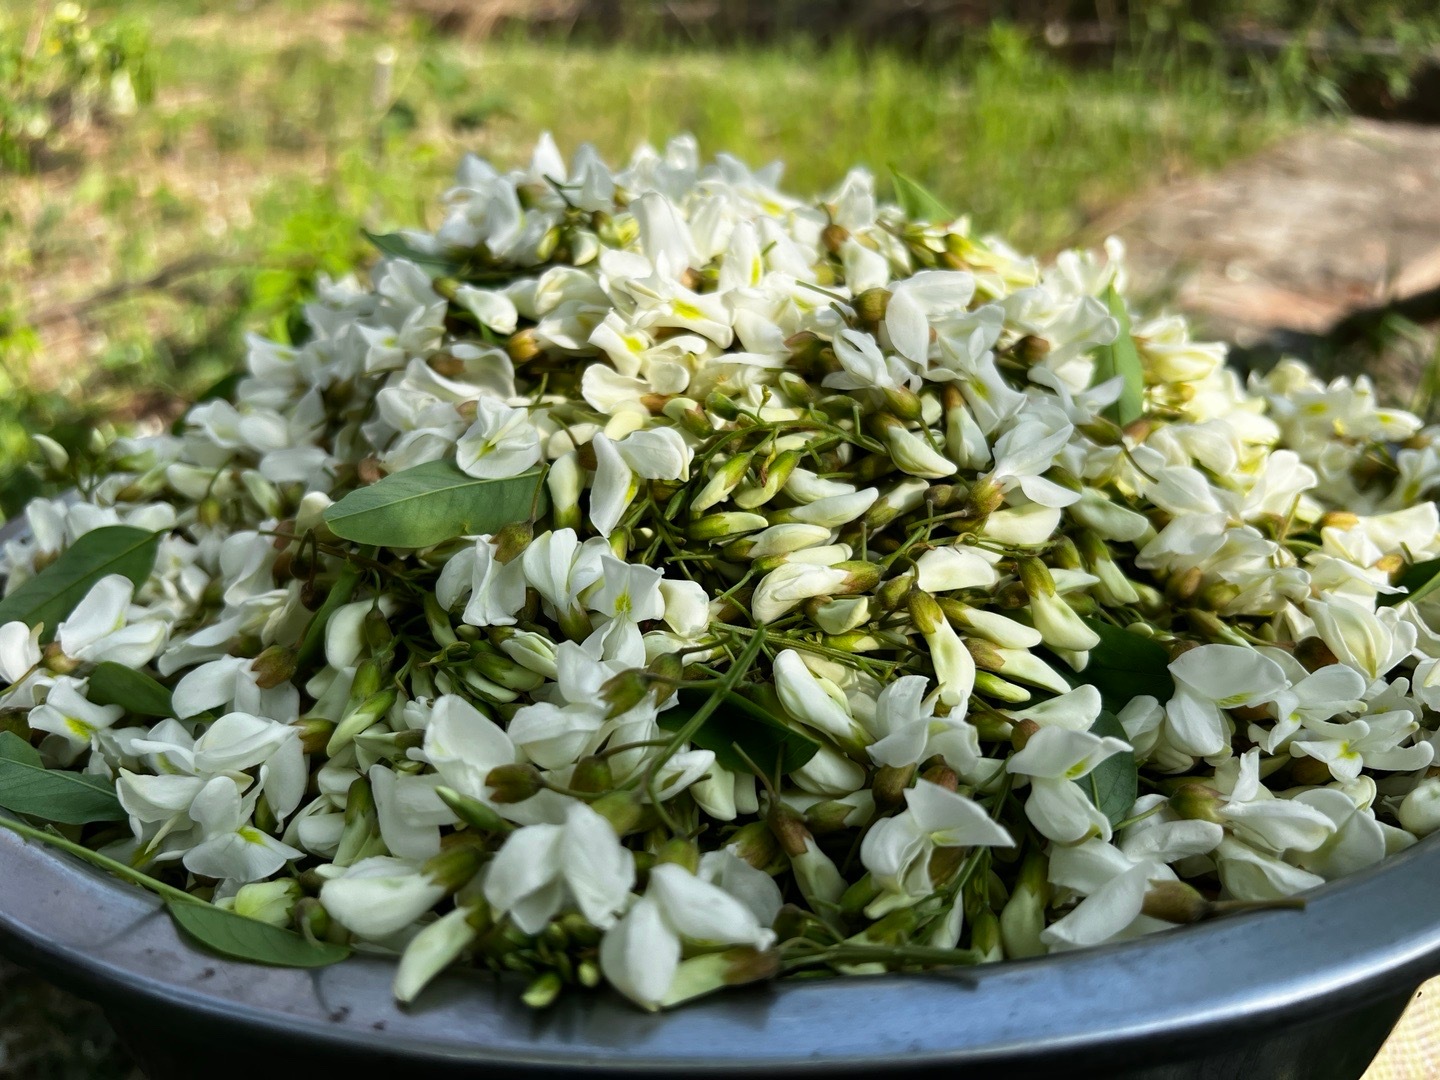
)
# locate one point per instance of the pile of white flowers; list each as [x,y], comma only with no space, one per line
[658,579]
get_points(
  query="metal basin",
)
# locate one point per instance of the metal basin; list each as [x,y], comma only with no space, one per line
[1305,994]
[1308,994]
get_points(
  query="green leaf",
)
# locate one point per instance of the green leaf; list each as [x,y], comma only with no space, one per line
[68,798]
[430,504]
[1121,358]
[1125,666]
[751,724]
[15,748]
[1420,579]
[53,593]
[395,246]
[1114,783]
[134,691]
[918,204]
[240,938]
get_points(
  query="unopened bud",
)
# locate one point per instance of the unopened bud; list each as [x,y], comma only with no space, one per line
[725,479]
[456,866]
[925,612]
[941,776]
[523,345]
[1175,902]
[315,733]
[889,786]
[789,829]
[472,811]
[624,810]
[872,304]
[274,666]
[513,783]
[512,540]
[1197,802]
[718,528]
[681,851]
[592,775]
[985,498]
[624,690]
[541,993]
[756,844]
[53,659]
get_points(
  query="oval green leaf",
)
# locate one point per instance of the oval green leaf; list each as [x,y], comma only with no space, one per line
[1115,782]
[748,724]
[1419,579]
[66,798]
[1121,358]
[1125,666]
[52,594]
[432,503]
[239,938]
[395,246]
[918,203]
[134,691]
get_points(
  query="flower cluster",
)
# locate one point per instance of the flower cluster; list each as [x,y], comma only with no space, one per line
[657,579]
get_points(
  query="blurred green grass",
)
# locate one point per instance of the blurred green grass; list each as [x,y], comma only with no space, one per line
[280,127]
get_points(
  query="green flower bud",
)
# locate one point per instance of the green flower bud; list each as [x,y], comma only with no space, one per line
[871,305]
[1175,902]
[472,811]
[889,786]
[624,810]
[274,666]
[681,851]
[270,902]
[455,867]
[592,775]
[756,844]
[725,479]
[717,528]
[513,783]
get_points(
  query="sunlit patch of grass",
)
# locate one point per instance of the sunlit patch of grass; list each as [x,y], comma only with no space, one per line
[277,132]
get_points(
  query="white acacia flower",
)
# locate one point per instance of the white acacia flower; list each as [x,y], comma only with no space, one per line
[19,651]
[652,453]
[897,850]
[74,724]
[543,869]
[496,590]
[864,365]
[1053,758]
[1024,454]
[501,442]
[1209,679]
[101,627]
[816,703]
[559,567]
[380,896]
[907,731]
[231,849]
[640,954]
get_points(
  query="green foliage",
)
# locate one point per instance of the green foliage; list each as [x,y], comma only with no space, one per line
[1114,783]
[59,77]
[432,503]
[67,798]
[228,934]
[742,728]
[48,597]
[1120,359]
[1125,666]
[134,691]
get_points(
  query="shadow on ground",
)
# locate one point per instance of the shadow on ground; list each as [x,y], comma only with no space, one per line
[46,1034]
